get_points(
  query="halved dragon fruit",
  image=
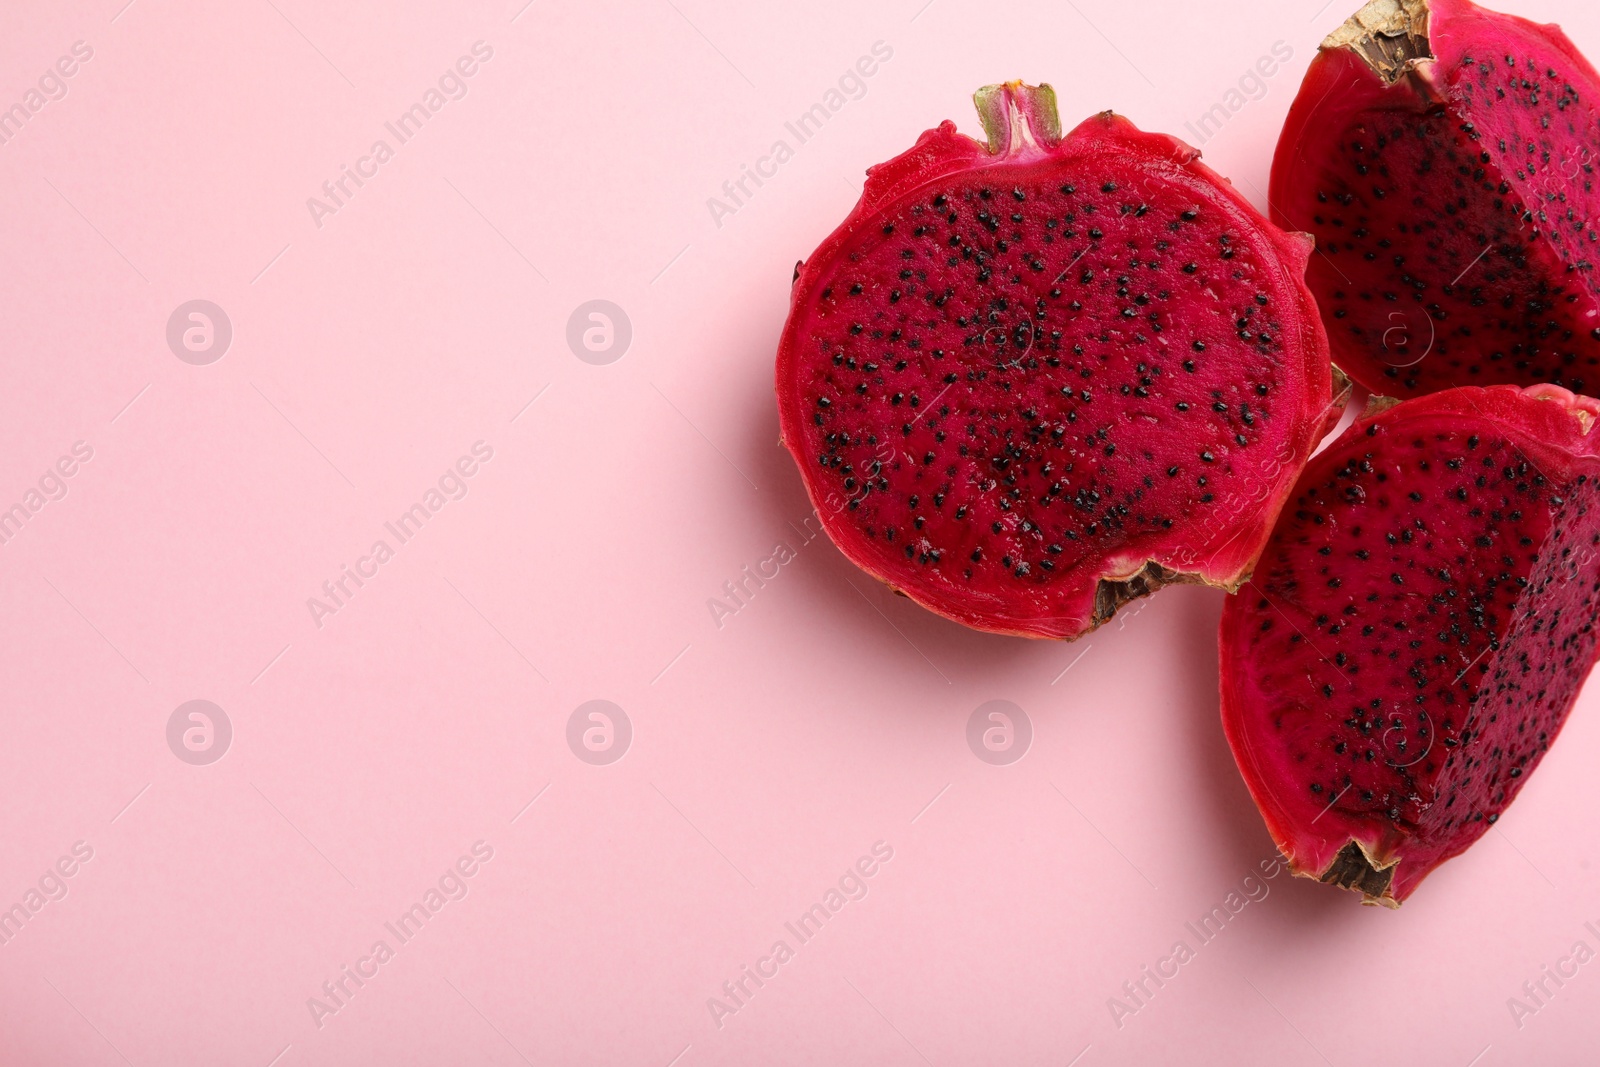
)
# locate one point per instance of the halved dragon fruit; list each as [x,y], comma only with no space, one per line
[1445,158]
[1029,380]
[1417,630]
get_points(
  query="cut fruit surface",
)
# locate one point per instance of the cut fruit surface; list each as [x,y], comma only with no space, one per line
[1445,157]
[1416,631]
[1028,380]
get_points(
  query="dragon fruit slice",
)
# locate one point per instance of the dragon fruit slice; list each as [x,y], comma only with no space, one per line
[1417,630]
[1030,380]
[1445,156]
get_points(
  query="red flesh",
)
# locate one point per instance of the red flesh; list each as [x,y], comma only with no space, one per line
[1457,210]
[1009,332]
[1396,692]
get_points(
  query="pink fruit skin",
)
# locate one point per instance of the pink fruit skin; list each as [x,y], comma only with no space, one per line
[1484,729]
[1218,552]
[1457,257]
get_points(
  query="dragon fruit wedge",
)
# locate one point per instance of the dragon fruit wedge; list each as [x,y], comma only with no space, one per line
[1417,630]
[1445,156]
[1028,381]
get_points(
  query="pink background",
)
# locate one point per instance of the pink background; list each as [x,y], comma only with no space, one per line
[768,754]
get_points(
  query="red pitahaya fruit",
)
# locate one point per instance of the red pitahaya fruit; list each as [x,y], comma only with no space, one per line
[1445,158]
[1030,380]
[1417,630]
